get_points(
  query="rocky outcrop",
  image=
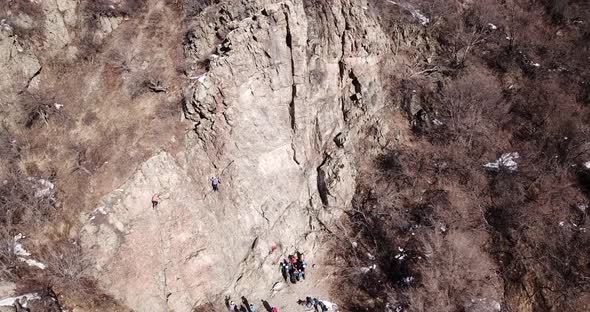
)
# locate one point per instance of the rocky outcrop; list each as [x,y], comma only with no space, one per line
[20,66]
[283,81]
[60,17]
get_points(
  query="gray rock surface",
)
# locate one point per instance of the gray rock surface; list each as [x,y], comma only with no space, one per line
[17,61]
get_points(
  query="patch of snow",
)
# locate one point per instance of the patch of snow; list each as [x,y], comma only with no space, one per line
[408,280]
[366,270]
[42,187]
[413,11]
[202,78]
[582,207]
[354,244]
[437,122]
[561,223]
[23,255]
[371,257]
[536,64]
[587,165]
[58,106]
[9,302]
[401,255]
[507,161]
[18,248]
[492,26]
[508,38]
[33,263]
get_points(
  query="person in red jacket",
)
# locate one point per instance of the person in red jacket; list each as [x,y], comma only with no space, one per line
[155,200]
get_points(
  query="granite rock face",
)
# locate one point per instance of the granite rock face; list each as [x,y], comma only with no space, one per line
[283,80]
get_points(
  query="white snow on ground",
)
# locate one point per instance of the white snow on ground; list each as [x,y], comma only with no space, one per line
[492,26]
[33,262]
[413,11]
[23,255]
[43,188]
[18,249]
[365,270]
[536,64]
[507,161]
[9,302]
[587,165]
[401,255]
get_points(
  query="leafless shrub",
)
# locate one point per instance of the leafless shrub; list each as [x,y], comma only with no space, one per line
[8,260]
[39,110]
[556,9]
[123,60]
[155,85]
[473,106]
[68,265]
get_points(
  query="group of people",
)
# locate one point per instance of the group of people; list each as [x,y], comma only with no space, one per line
[246,306]
[309,302]
[293,269]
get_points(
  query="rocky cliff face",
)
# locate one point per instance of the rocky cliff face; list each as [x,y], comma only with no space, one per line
[277,112]
[278,98]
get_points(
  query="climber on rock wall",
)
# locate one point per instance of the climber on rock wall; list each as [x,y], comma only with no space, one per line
[215,181]
[155,200]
